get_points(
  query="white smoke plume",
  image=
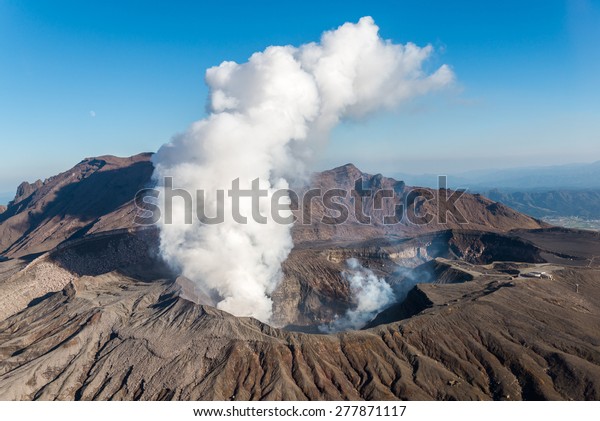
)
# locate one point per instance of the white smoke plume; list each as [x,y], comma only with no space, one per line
[371,293]
[265,117]
[408,279]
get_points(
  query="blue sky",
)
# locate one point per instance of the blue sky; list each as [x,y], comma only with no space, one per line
[81,79]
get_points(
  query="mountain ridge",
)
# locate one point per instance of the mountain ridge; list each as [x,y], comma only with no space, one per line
[97,195]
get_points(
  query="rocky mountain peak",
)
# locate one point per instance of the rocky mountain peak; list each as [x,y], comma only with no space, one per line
[26,189]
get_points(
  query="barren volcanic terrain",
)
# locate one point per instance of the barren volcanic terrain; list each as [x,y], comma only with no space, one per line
[502,307]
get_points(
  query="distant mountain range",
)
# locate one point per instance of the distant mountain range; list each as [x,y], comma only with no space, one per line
[558,177]
[551,203]
[565,191]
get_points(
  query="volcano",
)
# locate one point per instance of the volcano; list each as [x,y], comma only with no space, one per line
[89,311]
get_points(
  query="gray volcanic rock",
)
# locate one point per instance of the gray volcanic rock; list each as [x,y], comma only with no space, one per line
[25,190]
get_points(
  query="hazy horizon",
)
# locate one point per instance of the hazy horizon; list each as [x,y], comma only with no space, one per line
[8,194]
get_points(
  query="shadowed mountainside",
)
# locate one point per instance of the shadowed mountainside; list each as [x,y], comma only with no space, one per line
[94,196]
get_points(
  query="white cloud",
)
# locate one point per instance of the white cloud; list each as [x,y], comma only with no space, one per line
[266,116]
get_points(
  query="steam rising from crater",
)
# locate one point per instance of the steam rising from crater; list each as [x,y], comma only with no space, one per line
[371,294]
[266,117]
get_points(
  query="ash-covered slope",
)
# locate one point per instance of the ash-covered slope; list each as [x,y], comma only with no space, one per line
[98,316]
[95,199]
[114,337]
